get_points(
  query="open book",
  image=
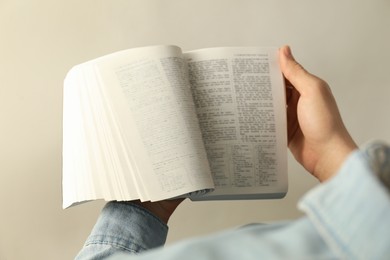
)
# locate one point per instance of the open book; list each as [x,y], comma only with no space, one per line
[155,123]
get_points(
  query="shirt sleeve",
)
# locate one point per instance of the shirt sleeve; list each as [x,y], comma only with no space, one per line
[123,227]
[346,218]
[352,210]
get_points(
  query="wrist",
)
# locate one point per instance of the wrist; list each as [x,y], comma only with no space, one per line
[156,210]
[333,158]
[161,209]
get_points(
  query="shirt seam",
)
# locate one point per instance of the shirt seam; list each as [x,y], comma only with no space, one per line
[115,244]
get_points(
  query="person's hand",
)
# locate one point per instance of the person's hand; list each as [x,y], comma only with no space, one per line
[317,136]
[161,209]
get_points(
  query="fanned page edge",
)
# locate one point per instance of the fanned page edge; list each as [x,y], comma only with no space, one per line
[72,194]
[131,133]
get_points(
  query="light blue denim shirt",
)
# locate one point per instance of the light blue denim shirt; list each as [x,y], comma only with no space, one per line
[347,217]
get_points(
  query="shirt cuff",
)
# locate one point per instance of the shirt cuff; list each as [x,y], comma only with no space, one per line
[126,227]
[352,209]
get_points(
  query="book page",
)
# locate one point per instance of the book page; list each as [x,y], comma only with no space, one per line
[240,102]
[93,154]
[150,98]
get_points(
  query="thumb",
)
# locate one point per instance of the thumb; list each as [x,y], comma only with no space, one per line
[294,72]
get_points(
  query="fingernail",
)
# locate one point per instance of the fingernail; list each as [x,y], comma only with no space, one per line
[287,52]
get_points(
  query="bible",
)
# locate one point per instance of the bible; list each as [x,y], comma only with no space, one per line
[154,123]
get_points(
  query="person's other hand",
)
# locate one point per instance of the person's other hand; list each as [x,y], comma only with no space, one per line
[162,209]
[317,136]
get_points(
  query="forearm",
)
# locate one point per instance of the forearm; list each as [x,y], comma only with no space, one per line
[124,227]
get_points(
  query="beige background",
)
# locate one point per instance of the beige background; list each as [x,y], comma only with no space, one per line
[345,42]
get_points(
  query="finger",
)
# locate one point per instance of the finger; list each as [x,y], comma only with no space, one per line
[294,72]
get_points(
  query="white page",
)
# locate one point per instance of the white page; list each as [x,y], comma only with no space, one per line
[75,157]
[157,120]
[239,95]
[111,158]
[95,163]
